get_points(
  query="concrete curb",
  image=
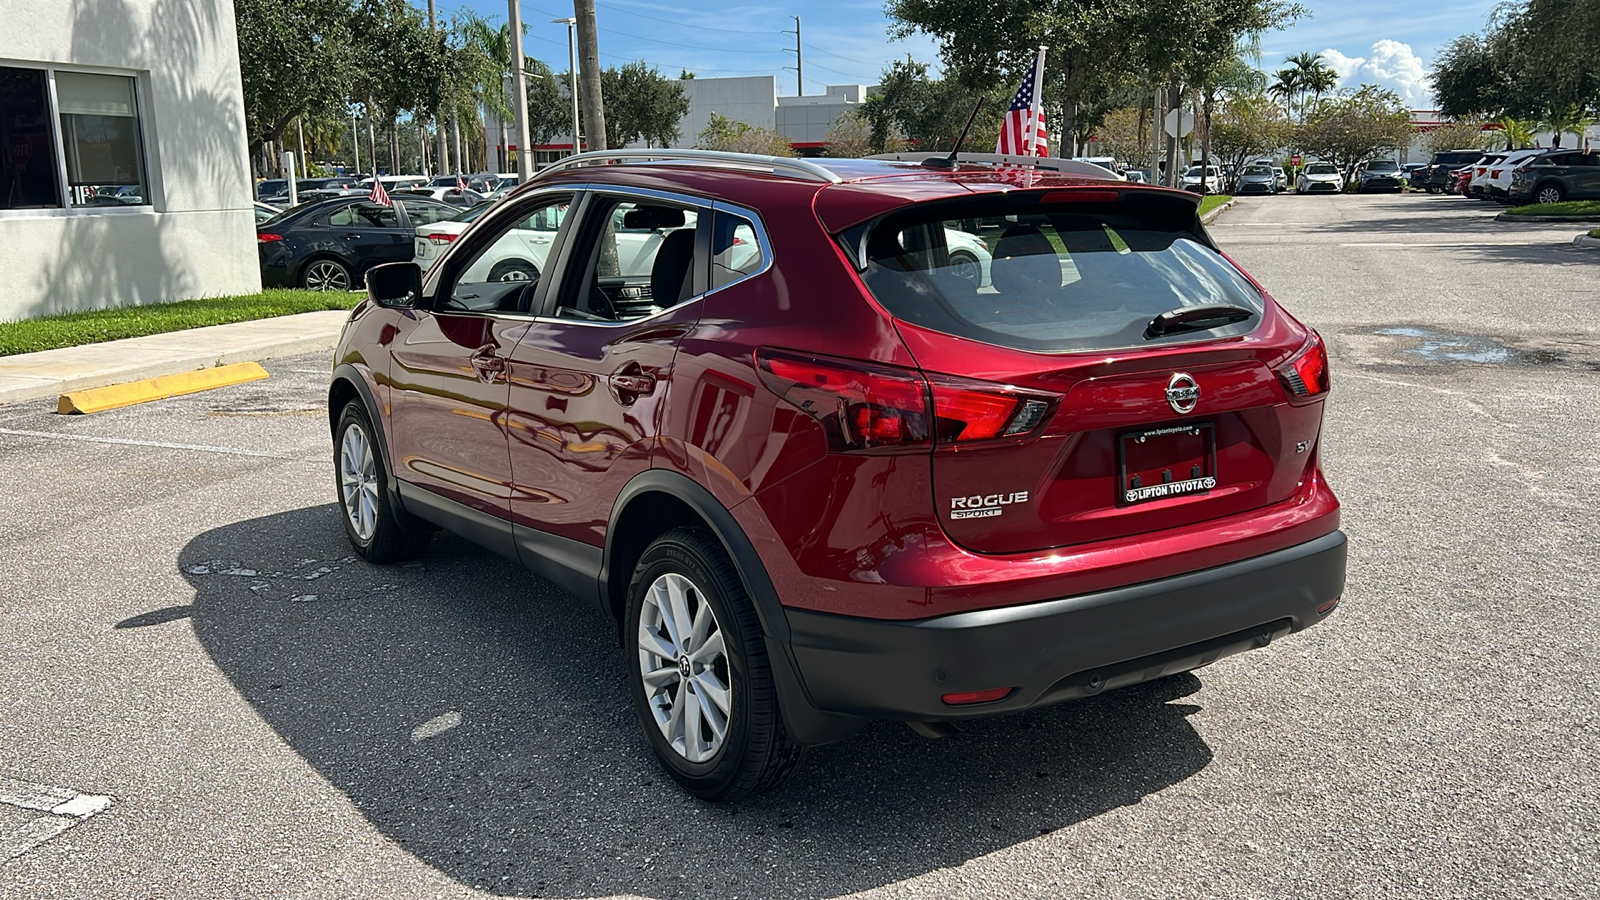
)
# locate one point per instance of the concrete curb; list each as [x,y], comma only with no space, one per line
[117,396]
[1508,217]
[1210,217]
[1583,240]
[51,373]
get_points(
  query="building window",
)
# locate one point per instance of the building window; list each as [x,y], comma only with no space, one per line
[100,136]
[27,148]
[100,159]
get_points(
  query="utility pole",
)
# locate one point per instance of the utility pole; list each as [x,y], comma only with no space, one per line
[572,75]
[444,146]
[519,93]
[594,109]
[355,147]
[799,63]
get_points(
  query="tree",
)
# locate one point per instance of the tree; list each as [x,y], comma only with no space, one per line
[851,137]
[1567,118]
[400,62]
[1121,135]
[1457,134]
[929,112]
[723,133]
[641,104]
[1535,60]
[1351,127]
[1248,126]
[295,58]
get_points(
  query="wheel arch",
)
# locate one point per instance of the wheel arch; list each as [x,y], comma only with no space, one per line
[349,384]
[320,255]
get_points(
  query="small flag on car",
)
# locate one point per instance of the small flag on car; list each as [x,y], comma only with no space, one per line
[461,184]
[378,194]
[1022,133]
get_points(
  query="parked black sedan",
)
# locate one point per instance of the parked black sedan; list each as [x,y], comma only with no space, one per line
[329,245]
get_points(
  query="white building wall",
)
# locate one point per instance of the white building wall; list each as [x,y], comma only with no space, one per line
[750,100]
[807,120]
[198,237]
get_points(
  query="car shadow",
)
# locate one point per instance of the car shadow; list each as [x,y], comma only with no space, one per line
[478,717]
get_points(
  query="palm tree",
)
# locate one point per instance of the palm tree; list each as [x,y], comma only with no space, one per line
[1569,118]
[1309,76]
[1286,87]
[1519,132]
[483,62]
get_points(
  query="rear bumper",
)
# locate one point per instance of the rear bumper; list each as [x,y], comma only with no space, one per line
[1062,649]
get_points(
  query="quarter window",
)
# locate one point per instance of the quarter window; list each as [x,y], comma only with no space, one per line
[735,252]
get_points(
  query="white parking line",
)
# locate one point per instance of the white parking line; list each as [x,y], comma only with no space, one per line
[62,808]
[164,445]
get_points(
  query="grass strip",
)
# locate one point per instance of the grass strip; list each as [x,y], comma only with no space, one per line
[1594,233]
[1212,201]
[75,329]
[1565,208]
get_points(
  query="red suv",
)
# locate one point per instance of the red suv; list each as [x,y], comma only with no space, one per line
[851,439]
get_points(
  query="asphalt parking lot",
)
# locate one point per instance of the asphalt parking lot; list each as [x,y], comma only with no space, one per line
[187,638]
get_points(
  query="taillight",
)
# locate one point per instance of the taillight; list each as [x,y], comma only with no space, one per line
[267,238]
[862,406]
[871,407]
[1306,373]
[977,411]
[442,240]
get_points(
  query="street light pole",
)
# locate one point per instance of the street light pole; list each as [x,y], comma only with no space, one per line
[519,92]
[572,73]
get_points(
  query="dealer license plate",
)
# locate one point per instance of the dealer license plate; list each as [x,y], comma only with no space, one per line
[1161,463]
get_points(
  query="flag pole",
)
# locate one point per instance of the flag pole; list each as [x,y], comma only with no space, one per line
[1036,115]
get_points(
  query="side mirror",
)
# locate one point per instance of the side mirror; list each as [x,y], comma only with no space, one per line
[395,285]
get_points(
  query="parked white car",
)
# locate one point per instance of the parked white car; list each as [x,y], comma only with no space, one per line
[1319,178]
[1477,185]
[1193,175]
[1497,186]
[464,199]
[969,257]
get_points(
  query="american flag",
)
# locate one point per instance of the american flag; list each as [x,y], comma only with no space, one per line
[1023,132]
[461,184]
[378,194]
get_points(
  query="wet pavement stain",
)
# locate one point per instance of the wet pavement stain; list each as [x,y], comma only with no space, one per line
[1439,346]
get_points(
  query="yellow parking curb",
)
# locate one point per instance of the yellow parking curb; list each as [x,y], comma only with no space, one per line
[119,395]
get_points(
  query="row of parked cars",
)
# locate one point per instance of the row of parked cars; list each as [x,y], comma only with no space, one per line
[1516,177]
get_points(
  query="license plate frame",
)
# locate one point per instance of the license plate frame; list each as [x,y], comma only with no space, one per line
[1136,487]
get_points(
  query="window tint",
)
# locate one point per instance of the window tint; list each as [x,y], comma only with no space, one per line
[501,276]
[1051,281]
[364,215]
[735,253]
[426,213]
[638,259]
[28,151]
[100,131]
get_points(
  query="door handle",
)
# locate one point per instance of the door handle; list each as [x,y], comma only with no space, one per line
[352,237]
[488,364]
[631,382]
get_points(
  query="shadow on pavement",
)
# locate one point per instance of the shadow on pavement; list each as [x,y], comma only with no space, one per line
[478,717]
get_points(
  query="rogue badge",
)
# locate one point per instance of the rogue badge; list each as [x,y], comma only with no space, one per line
[1182,392]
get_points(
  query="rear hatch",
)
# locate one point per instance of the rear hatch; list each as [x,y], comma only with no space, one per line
[1103,372]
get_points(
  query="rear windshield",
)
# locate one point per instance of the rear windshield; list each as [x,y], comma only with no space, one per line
[1051,277]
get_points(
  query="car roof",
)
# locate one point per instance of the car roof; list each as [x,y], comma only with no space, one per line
[842,192]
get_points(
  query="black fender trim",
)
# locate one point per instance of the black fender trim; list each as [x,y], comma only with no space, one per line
[806,723]
[348,372]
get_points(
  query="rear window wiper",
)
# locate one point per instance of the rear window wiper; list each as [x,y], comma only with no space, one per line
[1195,318]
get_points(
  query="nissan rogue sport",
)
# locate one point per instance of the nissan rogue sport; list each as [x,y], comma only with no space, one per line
[818,476]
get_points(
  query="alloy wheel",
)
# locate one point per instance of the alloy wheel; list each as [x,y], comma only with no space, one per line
[358,482]
[684,665]
[966,268]
[1550,194]
[327,276]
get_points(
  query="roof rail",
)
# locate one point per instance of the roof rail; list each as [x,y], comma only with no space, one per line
[1043,163]
[778,165]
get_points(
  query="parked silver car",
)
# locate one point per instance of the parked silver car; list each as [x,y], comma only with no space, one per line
[1257,178]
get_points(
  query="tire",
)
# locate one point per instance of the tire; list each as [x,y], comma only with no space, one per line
[1549,193]
[377,531]
[683,576]
[326,275]
[1431,189]
[514,270]
[965,266]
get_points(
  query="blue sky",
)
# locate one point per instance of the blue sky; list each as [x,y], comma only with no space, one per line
[846,41]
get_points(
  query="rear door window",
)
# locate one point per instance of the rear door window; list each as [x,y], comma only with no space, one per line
[1063,277]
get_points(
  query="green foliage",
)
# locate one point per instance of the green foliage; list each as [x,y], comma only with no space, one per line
[1535,60]
[1301,84]
[1564,208]
[1518,133]
[851,137]
[641,104]
[1212,201]
[402,62]
[74,329]
[930,112]
[1248,126]
[1458,134]
[1351,127]
[723,133]
[295,57]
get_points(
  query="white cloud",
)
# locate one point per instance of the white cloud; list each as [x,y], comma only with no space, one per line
[1389,64]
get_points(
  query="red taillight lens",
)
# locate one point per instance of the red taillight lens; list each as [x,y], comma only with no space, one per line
[267,238]
[1306,374]
[441,240]
[971,411]
[966,697]
[862,406]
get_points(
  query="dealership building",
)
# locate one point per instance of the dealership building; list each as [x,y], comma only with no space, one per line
[124,176]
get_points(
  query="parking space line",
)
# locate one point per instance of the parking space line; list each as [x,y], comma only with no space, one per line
[61,809]
[163,445]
